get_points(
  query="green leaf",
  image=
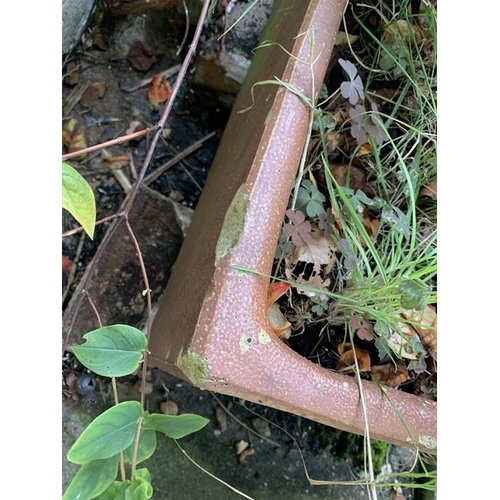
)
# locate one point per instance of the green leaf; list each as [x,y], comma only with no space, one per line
[112,351]
[147,446]
[310,199]
[411,294]
[115,492]
[92,479]
[140,487]
[78,198]
[108,434]
[175,426]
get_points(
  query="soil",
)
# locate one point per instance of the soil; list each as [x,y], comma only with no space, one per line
[202,107]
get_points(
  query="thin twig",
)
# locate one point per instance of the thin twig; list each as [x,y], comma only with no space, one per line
[176,159]
[236,419]
[100,221]
[112,142]
[165,74]
[186,30]
[169,104]
[313,482]
[149,318]
[210,474]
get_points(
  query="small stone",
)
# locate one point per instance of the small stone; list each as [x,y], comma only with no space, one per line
[241,446]
[262,427]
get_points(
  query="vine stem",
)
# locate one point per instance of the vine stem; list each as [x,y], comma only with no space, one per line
[133,194]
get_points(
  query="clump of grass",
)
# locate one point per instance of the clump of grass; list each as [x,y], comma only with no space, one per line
[386,232]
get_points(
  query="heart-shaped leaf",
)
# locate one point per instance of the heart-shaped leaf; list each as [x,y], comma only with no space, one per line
[78,198]
[112,351]
[175,426]
[111,432]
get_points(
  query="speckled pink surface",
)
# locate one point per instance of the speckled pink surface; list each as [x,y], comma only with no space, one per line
[219,313]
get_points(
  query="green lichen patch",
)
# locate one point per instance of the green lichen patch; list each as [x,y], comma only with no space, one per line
[232,227]
[264,337]
[194,367]
[428,441]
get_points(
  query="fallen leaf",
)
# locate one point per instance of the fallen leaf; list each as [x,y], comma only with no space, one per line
[313,281]
[139,58]
[364,149]
[334,139]
[401,344]
[371,225]
[426,327]
[402,29]
[92,94]
[73,135]
[276,290]
[347,363]
[320,251]
[72,77]
[159,91]
[116,162]
[430,190]
[349,176]
[345,39]
[67,264]
[98,40]
[390,375]
[396,493]
[281,327]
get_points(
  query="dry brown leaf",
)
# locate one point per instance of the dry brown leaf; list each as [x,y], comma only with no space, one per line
[281,327]
[320,252]
[94,92]
[334,140]
[396,493]
[343,38]
[139,58]
[159,91]
[402,29]
[72,76]
[430,190]
[73,135]
[314,281]
[390,375]
[364,149]
[371,225]
[98,40]
[426,328]
[350,176]
[399,343]
[346,362]
[117,162]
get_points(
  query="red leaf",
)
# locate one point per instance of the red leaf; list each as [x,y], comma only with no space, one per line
[159,91]
[276,290]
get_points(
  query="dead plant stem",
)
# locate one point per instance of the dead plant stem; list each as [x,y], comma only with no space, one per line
[112,142]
